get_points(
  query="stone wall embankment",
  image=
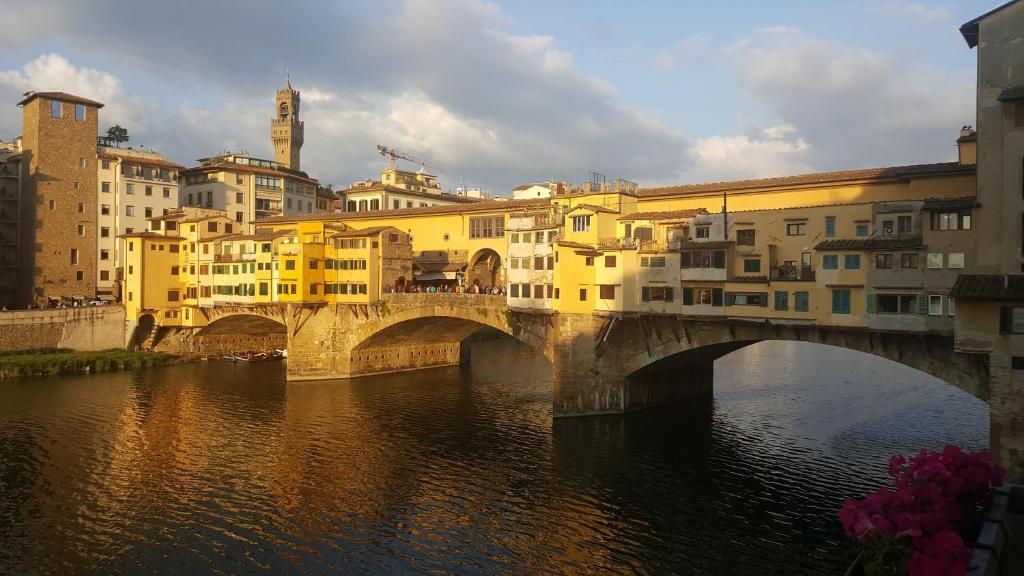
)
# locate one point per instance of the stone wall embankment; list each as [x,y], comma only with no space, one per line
[84,329]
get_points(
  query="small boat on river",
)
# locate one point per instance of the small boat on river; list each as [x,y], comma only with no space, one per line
[275,354]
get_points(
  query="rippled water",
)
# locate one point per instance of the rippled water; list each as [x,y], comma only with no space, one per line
[227,468]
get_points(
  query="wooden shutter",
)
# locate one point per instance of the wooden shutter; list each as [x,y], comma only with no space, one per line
[718,258]
[716,296]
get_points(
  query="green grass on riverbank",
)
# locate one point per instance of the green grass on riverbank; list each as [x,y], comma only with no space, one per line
[49,361]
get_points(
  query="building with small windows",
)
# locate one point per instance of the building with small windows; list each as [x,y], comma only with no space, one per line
[134,185]
[398,189]
[531,259]
[58,259]
[10,222]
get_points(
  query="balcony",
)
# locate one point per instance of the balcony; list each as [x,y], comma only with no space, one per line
[793,273]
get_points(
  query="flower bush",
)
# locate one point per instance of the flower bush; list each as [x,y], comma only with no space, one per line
[918,526]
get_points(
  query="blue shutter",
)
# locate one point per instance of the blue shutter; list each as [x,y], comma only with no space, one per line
[840,301]
[922,303]
[871,303]
[862,230]
[830,261]
[764,299]
[781,300]
[830,226]
[852,262]
[645,294]
[802,301]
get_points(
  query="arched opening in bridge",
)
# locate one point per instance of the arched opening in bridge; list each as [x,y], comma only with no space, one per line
[241,333]
[485,269]
[420,343]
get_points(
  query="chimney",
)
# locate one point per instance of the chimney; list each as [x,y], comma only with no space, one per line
[967,144]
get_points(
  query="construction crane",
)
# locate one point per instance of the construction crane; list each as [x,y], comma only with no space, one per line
[393,156]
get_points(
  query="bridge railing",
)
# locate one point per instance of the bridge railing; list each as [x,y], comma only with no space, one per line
[445,299]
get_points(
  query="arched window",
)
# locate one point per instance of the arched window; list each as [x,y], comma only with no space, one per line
[284,111]
[362,205]
[351,206]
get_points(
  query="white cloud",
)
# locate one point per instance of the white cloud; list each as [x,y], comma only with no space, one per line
[774,151]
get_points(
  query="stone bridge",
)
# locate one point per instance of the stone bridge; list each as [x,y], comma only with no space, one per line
[600,363]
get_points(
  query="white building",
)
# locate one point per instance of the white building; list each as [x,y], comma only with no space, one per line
[531,260]
[133,185]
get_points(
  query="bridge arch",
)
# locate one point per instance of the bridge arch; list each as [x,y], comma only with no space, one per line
[485,268]
[690,347]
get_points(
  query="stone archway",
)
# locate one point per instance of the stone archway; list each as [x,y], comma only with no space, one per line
[485,269]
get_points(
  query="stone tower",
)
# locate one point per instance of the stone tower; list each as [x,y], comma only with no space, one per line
[286,128]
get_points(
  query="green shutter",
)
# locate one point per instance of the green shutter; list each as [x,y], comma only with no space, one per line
[718,258]
[645,294]
[764,299]
[781,300]
[730,298]
[687,296]
[685,260]
[716,296]
[871,303]
[801,301]
[922,304]
[830,226]
[668,295]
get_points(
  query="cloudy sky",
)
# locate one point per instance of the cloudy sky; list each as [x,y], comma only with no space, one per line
[510,92]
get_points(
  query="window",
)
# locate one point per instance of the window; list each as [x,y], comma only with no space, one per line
[588,261]
[705,296]
[129,188]
[703,231]
[883,261]
[514,238]
[904,225]
[167,192]
[74,256]
[538,291]
[53,204]
[606,292]
[830,261]
[79,275]
[538,237]
[801,301]
[313,264]
[104,232]
[830,226]
[851,262]
[781,300]
[148,212]
[951,306]
[487,227]
[104,275]
[840,301]
[239,198]
[550,261]
[129,210]
[174,270]
[702,259]
[80,112]
[656,294]
[888,227]
[105,187]
[583,294]
[908,260]
[238,216]
[956,260]
[935,260]
[374,204]
[81,207]
[1011,321]
[935,304]
[581,223]
[893,304]
[745,237]
[289,264]
[172,295]
[609,262]
[752,265]
[952,220]
[513,290]
[747,299]
[55,109]
[862,229]
[538,262]
[104,254]
[796,229]
[81,230]
[652,262]
[149,190]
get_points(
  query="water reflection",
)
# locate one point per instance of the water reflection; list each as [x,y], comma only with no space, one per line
[228,467]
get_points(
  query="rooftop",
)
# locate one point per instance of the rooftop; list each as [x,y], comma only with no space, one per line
[666,215]
[483,206]
[62,96]
[988,287]
[950,203]
[883,173]
[897,243]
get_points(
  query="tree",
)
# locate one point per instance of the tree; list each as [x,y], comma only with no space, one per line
[117,134]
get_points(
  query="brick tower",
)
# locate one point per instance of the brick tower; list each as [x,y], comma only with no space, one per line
[286,128]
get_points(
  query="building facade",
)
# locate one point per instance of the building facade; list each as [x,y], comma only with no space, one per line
[398,190]
[10,222]
[134,185]
[58,198]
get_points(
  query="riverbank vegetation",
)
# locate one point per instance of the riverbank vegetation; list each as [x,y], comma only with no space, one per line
[50,361]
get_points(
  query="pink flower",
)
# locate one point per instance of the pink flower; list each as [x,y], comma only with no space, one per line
[943,555]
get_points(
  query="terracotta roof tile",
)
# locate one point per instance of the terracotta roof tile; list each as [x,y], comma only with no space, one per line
[62,96]
[988,287]
[485,206]
[149,234]
[950,203]
[885,173]
[579,245]
[594,208]
[750,279]
[708,245]
[108,155]
[872,244]
[665,215]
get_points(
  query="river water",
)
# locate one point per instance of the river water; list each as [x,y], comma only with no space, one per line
[215,467]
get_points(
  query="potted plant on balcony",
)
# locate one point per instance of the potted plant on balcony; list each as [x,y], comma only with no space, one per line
[919,526]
